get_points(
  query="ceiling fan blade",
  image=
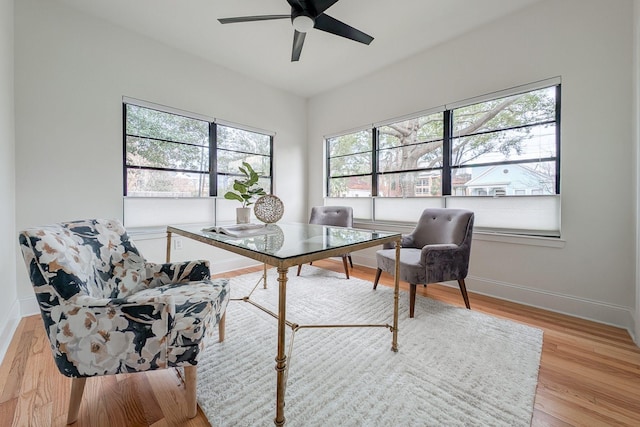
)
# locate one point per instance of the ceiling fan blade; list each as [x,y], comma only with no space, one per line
[298,42]
[322,5]
[331,25]
[252,18]
[296,4]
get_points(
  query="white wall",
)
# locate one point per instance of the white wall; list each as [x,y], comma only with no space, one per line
[9,310]
[589,44]
[636,122]
[71,73]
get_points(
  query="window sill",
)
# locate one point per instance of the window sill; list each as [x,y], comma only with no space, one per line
[487,236]
[517,239]
[147,233]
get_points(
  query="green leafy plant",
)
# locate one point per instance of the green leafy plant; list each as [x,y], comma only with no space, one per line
[245,189]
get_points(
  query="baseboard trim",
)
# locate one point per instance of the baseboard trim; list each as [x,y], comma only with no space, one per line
[9,326]
[231,264]
[29,306]
[601,312]
[597,311]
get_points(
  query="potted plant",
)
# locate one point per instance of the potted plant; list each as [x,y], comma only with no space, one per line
[245,190]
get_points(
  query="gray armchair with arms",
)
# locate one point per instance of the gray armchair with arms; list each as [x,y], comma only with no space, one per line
[106,310]
[437,250]
[337,216]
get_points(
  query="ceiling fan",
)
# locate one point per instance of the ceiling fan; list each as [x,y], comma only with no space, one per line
[305,15]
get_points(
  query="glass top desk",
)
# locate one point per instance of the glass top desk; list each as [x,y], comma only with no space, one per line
[284,245]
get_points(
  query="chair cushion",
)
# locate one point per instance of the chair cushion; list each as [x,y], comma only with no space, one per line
[198,305]
[437,226]
[410,268]
[338,216]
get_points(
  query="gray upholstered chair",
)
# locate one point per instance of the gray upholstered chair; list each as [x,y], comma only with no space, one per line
[337,216]
[437,250]
[106,310]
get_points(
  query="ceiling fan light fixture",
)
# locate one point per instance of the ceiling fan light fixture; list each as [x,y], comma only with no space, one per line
[303,23]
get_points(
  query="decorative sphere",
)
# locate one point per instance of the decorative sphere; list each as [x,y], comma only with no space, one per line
[268,209]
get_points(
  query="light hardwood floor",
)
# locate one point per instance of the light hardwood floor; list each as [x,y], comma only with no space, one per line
[589,374]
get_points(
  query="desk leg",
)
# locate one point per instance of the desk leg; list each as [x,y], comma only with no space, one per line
[396,296]
[281,358]
[264,276]
[168,246]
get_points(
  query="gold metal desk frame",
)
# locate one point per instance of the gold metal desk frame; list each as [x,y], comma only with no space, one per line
[333,244]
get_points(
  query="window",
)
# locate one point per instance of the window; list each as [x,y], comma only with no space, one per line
[349,162]
[509,141]
[166,155]
[172,154]
[505,145]
[235,146]
[410,157]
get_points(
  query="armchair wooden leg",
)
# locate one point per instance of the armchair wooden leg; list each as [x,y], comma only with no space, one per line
[190,382]
[77,388]
[412,298]
[221,326]
[463,290]
[346,266]
[375,281]
[300,267]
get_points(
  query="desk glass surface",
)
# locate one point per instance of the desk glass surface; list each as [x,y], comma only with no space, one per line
[291,240]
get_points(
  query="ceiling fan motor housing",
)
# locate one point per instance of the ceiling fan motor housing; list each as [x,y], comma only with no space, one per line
[302,20]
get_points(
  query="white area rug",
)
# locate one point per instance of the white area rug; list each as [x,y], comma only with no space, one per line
[454,366]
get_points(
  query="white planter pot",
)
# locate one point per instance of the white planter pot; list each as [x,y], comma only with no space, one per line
[243,215]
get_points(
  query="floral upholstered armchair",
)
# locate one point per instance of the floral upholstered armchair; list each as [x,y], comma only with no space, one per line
[108,311]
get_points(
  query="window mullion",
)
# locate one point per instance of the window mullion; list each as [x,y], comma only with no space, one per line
[446,152]
[327,183]
[558,102]
[124,149]
[374,161]
[213,159]
[271,171]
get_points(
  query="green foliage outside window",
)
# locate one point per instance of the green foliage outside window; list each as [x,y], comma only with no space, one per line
[169,155]
[515,130]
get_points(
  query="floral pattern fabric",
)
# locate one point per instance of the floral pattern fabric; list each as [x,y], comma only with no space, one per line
[107,310]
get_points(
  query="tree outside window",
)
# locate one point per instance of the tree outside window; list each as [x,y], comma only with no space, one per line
[173,155]
[463,151]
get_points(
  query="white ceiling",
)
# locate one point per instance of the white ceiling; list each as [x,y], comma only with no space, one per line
[262,50]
